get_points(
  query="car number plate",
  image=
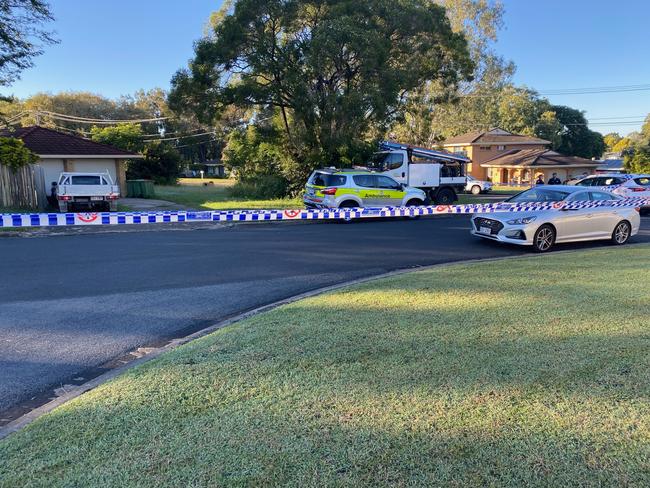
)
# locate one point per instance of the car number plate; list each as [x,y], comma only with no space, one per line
[485,230]
[94,199]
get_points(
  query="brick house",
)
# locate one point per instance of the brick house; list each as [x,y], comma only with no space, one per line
[523,166]
[480,147]
[58,152]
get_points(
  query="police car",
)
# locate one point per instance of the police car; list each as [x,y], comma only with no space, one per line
[333,188]
[625,185]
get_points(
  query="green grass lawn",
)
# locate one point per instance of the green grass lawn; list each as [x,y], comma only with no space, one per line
[193,194]
[527,372]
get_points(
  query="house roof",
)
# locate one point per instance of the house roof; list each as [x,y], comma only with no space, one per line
[493,136]
[611,165]
[51,143]
[537,158]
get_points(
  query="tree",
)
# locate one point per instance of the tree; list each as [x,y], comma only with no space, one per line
[623,145]
[435,113]
[331,71]
[162,163]
[637,159]
[577,138]
[611,140]
[124,136]
[22,35]
[14,154]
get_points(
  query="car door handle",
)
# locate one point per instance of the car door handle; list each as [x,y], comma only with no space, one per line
[403,174]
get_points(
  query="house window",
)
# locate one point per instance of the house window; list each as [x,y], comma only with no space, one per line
[501,148]
[485,148]
[469,167]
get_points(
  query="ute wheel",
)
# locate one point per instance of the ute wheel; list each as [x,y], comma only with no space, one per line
[544,238]
[476,190]
[621,233]
[444,197]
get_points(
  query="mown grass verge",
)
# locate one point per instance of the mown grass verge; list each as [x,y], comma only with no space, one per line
[526,372]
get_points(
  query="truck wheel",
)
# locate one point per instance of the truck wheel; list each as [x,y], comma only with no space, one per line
[445,197]
[476,190]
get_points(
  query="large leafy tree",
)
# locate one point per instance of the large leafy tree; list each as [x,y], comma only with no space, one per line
[637,153]
[434,112]
[22,35]
[331,71]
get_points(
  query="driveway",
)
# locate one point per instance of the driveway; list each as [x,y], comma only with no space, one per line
[69,304]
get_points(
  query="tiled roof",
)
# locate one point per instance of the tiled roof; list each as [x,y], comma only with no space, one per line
[537,158]
[44,141]
[494,136]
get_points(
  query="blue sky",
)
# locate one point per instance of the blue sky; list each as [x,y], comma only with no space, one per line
[119,46]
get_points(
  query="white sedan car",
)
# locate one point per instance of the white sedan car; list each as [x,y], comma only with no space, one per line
[542,229]
[476,187]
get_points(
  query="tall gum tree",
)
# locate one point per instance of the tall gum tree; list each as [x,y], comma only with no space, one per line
[333,71]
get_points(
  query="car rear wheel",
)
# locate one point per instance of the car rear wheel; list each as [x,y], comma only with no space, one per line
[621,233]
[476,190]
[346,205]
[544,238]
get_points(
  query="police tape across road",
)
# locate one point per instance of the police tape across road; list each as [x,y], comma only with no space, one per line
[128,218]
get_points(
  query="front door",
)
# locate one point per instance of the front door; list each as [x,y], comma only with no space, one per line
[392,193]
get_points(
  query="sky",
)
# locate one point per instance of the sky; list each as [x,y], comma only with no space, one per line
[117,47]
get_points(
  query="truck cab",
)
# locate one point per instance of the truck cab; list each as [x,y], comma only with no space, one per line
[440,174]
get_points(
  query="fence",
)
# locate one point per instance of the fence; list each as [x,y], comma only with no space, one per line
[22,188]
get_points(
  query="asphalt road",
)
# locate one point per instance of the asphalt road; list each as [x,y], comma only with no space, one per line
[71,303]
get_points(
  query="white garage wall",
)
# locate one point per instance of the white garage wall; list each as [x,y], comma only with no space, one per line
[52,168]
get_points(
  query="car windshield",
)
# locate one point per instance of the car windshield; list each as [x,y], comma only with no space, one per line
[539,195]
[327,179]
[384,161]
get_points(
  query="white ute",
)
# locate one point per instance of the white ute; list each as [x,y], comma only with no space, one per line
[87,191]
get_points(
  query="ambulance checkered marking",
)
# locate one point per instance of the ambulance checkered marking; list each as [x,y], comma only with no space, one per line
[129,218]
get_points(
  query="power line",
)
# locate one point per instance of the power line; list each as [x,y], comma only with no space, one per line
[179,137]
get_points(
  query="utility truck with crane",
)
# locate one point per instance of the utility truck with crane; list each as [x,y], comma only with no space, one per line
[440,174]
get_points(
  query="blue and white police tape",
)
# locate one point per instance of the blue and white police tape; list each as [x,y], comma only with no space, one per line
[127,218]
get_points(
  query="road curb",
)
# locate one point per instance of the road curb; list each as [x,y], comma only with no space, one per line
[155,352]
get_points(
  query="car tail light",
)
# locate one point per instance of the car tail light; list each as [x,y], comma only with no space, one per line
[638,188]
[65,198]
[112,197]
[329,191]
[638,209]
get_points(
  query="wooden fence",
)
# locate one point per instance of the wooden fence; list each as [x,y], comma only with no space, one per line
[23,188]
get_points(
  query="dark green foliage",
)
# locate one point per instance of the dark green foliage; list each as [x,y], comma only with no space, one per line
[161,163]
[21,35]
[329,73]
[577,138]
[14,154]
[264,187]
[124,136]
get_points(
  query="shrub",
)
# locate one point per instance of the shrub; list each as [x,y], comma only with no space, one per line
[264,187]
[14,154]
[161,164]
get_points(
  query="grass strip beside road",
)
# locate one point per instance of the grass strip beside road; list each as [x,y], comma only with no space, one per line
[527,372]
[215,196]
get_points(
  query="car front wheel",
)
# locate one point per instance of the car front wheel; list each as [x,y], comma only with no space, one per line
[544,238]
[476,190]
[621,233]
